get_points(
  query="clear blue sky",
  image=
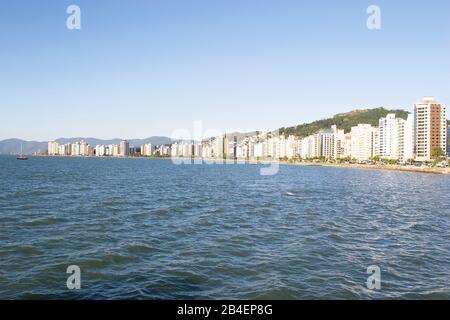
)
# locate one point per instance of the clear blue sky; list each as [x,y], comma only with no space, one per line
[143,68]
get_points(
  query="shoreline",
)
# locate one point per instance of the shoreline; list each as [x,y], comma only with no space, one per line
[428,170]
[387,167]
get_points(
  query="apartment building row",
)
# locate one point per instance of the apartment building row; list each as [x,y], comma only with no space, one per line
[416,137]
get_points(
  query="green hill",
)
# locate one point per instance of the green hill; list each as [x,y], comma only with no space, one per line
[343,121]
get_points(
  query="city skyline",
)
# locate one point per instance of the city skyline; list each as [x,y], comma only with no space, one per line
[421,136]
[147,68]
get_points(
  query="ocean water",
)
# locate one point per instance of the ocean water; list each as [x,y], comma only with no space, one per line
[149,229]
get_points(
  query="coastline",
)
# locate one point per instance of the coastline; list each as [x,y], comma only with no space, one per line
[388,167]
[432,170]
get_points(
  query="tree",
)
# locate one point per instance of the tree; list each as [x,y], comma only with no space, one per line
[437,153]
[376,158]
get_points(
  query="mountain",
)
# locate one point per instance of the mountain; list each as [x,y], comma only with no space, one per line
[343,121]
[12,146]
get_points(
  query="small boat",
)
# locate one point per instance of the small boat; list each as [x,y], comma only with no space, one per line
[21,156]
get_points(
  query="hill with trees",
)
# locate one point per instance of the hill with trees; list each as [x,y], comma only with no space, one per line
[343,121]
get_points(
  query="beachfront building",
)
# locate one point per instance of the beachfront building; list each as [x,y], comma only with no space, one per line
[100,150]
[114,150]
[347,145]
[364,141]
[391,134]
[220,147]
[430,126]
[327,144]
[310,147]
[147,149]
[174,150]
[84,148]
[292,150]
[339,142]
[75,149]
[124,148]
[53,148]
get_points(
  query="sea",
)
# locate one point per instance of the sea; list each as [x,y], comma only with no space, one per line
[152,229]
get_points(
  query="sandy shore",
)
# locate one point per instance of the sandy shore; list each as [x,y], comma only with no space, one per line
[433,170]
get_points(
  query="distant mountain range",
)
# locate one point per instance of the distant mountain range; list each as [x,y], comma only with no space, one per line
[12,146]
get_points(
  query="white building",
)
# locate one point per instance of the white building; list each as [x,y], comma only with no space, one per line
[391,133]
[327,144]
[147,149]
[100,150]
[124,148]
[62,150]
[84,149]
[53,148]
[363,142]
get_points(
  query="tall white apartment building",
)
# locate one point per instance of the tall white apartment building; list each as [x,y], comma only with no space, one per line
[260,150]
[114,150]
[310,146]
[124,148]
[84,149]
[186,149]
[430,128]
[147,149]
[53,148]
[75,149]
[391,134]
[174,150]
[291,147]
[100,150]
[221,147]
[62,150]
[363,142]
[327,144]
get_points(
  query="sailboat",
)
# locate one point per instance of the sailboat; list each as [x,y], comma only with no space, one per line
[21,156]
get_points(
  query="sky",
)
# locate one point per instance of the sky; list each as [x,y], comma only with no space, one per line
[140,68]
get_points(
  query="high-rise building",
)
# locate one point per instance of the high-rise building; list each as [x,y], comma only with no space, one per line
[347,145]
[391,135]
[53,148]
[100,150]
[430,128]
[221,147]
[124,148]
[327,144]
[364,138]
[114,150]
[339,142]
[62,150]
[147,149]
[84,148]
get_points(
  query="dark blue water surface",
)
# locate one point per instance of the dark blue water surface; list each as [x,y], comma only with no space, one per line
[148,229]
